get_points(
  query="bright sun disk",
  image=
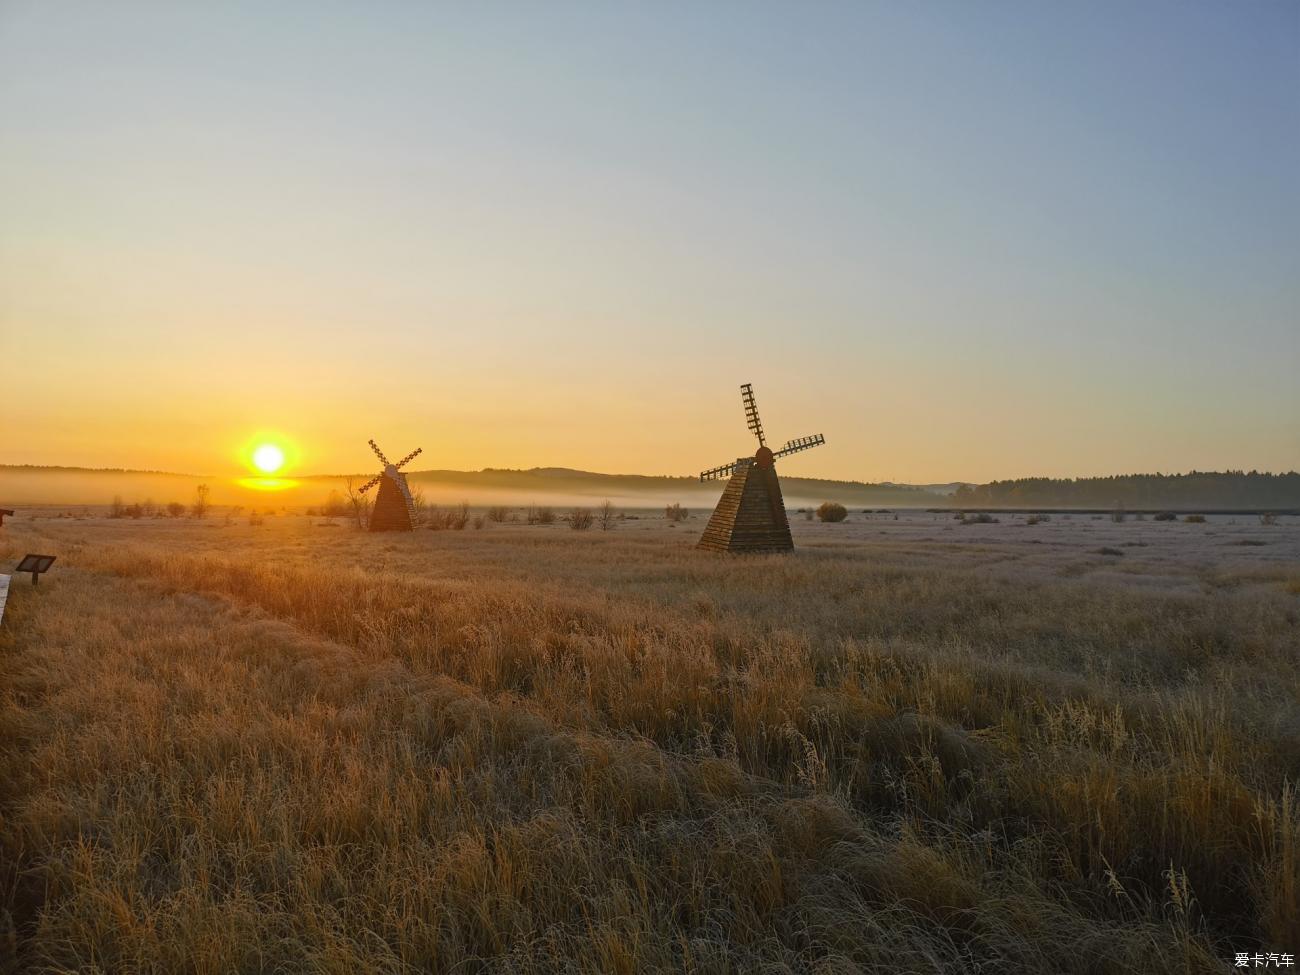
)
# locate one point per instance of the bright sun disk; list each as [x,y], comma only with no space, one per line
[268,458]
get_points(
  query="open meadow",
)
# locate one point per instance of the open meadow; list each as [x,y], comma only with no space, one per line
[913,745]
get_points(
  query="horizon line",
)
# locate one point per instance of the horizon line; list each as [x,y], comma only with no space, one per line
[684,477]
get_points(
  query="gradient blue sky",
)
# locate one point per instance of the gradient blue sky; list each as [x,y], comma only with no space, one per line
[963,240]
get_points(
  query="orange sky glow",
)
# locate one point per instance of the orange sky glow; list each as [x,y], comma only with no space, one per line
[536,247]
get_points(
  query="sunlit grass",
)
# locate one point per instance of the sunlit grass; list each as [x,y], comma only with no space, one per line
[231,749]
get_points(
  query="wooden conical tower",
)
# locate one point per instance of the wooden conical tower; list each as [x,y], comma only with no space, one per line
[750,516]
[394,509]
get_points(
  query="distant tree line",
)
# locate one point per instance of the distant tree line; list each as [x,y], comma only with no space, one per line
[1196,489]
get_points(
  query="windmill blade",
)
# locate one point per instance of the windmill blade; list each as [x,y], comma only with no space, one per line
[726,470]
[751,412]
[378,453]
[802,443]
[370,483]
[410,456]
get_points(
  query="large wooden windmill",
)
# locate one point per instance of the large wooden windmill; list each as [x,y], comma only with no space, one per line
[750,517]
[394,509]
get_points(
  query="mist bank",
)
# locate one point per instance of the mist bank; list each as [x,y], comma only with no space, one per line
[1197,490]
[25,485]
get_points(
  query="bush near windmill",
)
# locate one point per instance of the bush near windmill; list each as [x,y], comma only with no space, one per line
[832,511]
[454,518]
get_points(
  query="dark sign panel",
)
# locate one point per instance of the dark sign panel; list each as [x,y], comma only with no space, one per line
[35,564]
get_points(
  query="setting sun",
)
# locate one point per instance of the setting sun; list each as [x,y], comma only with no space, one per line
[268,458]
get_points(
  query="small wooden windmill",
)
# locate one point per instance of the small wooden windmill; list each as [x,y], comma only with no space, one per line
[394,509]
[750,517]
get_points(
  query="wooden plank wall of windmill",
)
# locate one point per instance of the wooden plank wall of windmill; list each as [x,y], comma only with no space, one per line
[750,516]
[391,512]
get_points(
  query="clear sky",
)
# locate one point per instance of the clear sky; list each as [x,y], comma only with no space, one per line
[963,240]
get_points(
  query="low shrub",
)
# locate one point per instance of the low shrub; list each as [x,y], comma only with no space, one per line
[608,516]
[1165,516]
[1195,519]
[454,519]
[832,511]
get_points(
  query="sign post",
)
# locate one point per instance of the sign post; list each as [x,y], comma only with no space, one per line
[35,564]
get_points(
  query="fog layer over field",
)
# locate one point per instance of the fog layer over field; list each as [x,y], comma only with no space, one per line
[552,485]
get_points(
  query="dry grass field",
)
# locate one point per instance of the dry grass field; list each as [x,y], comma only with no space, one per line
[912,746]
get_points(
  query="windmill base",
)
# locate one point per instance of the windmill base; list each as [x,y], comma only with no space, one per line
[750,517]
[392,512]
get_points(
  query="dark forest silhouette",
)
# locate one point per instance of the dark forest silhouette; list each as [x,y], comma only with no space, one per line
[1196,489]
